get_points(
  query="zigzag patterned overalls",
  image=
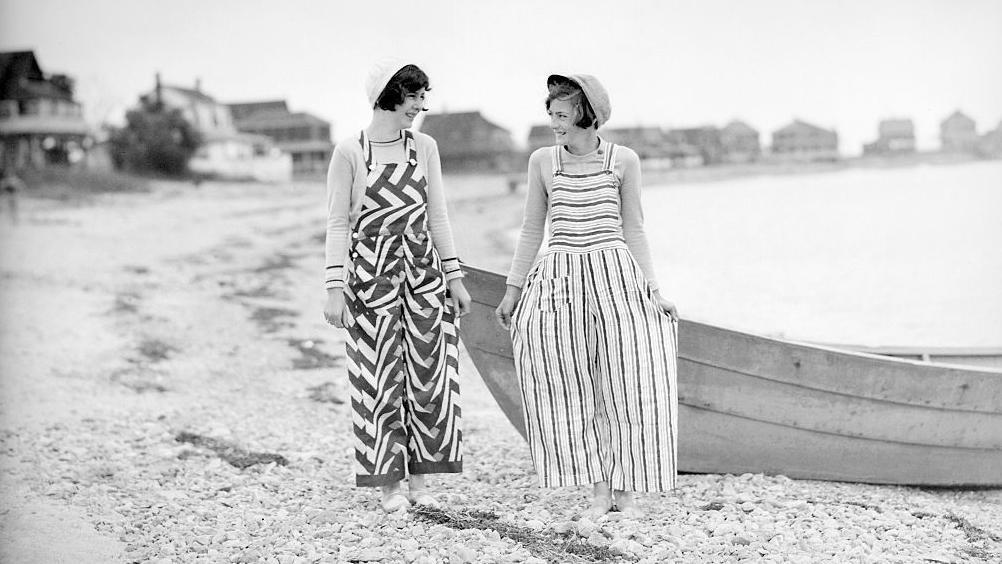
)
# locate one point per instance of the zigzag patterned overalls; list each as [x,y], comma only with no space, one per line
[402,346]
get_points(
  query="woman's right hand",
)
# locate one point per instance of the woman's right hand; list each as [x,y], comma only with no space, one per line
[508,302]
[335,311]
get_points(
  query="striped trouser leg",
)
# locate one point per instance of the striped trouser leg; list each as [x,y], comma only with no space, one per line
[376,375]
[552,338]
[636,374]
[431,358]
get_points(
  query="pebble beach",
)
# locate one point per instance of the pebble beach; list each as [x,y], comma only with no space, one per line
[170,393]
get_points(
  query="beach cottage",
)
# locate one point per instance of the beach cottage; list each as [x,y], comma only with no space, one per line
[226,152]
[895,137]
[40,121]
[468,142]
[740,143]
[804,142]
[958,134]
[304,136]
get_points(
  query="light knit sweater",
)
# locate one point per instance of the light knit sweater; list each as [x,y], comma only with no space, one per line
[346,184]
[626,169]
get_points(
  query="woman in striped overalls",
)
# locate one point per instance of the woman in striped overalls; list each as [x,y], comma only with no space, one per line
[594,341]
[394,282]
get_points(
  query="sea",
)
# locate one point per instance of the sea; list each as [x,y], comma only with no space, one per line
[892,256]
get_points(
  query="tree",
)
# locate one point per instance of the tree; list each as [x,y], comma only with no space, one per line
[154,139]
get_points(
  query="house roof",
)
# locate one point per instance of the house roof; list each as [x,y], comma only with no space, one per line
[190,93]
[738,127]
[274,119]
[540,131]
[245,110]
[958,117]
[800,125]
[21,78]
[438,125]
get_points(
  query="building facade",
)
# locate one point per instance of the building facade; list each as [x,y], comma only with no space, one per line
[803,142]
[40,121]
[305,137]
[226,153]
[740,143]
[894,137]
[468,142]
[958,134]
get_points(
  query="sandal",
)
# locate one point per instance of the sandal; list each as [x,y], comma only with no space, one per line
[395,502]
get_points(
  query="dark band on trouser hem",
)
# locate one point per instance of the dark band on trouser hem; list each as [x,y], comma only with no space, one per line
[397,473]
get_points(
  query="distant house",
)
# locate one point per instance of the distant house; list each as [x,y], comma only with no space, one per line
[740,143]
[958,134]
[226,152]
[705,139]
[647,142]
[804,142]
[894,137]
[305,137]
[540,136]
[468,142]
[40,122]
[990,144]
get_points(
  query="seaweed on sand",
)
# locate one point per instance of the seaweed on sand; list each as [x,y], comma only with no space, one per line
[229,452]
[549,545]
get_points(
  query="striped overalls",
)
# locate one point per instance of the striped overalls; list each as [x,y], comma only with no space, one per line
[594,351]
[402,345]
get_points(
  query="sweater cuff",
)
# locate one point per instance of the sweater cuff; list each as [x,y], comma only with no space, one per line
[451,268]
[333,277]
[517,281]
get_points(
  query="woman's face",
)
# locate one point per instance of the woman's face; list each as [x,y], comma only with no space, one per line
[563,114]
[412,106]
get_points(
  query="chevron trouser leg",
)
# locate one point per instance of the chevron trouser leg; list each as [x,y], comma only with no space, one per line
[596,359]
[403,369]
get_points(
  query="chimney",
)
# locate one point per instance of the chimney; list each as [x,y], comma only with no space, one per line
[157,96]
[198,84]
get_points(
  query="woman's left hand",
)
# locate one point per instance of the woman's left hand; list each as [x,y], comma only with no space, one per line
[461,301]
[667,307]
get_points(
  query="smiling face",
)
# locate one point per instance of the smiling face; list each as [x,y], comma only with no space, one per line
[563,116]
[412,105]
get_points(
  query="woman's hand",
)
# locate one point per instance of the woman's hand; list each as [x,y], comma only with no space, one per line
[504,309]
[335,311]
[667,306]
[461,301]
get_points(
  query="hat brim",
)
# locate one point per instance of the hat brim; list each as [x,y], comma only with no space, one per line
[553,78]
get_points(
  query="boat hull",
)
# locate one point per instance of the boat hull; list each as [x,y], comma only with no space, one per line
[753,404]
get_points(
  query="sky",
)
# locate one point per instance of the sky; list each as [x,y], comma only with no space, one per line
[670,63]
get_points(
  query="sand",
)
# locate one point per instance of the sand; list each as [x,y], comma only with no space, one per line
[129,320]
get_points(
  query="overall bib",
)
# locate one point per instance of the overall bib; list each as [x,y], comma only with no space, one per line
[402,345]
[595,353]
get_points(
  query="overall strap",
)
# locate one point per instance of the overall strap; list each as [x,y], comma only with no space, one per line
[363,140]
[410,146]
[610,157]
[558,165]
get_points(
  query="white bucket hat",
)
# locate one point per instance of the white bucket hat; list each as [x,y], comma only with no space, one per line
[379,77]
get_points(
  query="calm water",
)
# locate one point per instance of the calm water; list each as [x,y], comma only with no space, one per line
[907,256]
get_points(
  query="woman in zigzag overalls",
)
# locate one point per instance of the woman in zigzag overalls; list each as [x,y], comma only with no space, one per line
[394,282]
[594,341]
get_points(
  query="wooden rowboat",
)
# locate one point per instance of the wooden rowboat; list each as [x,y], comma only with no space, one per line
[755,404]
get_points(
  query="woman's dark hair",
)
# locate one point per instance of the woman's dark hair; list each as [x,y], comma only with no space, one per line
[407,80]
[568,91]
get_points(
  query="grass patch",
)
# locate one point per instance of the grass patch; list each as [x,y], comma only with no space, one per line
[549,545]
[230,452]
[268,318]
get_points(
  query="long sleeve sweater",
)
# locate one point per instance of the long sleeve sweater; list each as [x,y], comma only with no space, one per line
[346,184]
[540,182]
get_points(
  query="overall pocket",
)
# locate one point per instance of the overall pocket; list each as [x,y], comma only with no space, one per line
[552,294]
